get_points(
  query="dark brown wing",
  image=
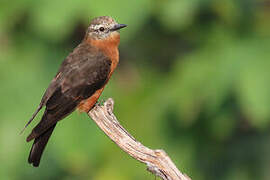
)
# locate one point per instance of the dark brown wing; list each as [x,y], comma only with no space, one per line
[84,62]
[80,75]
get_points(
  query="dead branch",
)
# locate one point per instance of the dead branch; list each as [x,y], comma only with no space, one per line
[157,161]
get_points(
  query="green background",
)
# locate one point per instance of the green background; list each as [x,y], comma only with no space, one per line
[193,79]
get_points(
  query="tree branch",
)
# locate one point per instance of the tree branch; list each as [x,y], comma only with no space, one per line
[157,161]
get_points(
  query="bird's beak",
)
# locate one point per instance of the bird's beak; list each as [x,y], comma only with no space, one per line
[118,26]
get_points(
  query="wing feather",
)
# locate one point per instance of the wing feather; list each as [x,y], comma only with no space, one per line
[82,73]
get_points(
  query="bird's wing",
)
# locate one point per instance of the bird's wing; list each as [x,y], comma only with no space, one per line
[80,75]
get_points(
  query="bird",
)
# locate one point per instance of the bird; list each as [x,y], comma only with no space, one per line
[79,81]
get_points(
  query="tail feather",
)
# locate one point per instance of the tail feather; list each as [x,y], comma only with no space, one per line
[41,127]
[39,146]
[33,116]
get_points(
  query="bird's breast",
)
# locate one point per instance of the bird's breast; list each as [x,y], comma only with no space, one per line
[109,47]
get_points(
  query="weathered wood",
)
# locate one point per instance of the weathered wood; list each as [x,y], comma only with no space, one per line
[157,161]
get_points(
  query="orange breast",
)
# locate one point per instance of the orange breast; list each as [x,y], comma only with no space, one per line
[109,47]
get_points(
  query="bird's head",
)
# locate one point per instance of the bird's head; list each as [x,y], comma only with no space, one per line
[102,28]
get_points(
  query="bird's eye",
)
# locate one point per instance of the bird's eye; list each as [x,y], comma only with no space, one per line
[101,29]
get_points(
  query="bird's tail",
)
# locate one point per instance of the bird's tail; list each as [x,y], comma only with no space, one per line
[33,116]
[39,146]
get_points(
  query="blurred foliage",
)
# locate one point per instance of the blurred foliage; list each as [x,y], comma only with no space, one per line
[192,79]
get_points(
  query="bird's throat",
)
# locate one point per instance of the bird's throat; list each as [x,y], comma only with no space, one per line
[107,45]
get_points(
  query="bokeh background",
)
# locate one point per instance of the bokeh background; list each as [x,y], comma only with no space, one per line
[193,79]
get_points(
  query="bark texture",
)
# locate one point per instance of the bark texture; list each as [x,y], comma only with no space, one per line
[157,161]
